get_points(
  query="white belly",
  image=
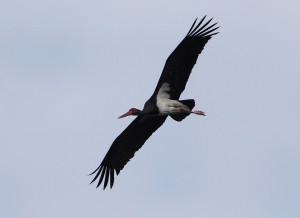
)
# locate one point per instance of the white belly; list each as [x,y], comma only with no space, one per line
[167,106]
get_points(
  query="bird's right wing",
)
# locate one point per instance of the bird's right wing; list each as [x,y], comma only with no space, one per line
[181,61]
[125,145]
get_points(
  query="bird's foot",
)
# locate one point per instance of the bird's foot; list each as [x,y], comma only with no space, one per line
[198,112]
[194,112]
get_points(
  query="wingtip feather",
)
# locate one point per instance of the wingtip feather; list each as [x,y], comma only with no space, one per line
[106,178]
[94,171]
[111,177]
[208,30]
[96,176]
[195,29]
[192,26]
[203,31]
[195,33]
[101,177]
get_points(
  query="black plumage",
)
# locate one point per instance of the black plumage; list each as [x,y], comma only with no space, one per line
[176,72]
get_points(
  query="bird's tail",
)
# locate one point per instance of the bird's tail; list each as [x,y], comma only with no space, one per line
[189,103]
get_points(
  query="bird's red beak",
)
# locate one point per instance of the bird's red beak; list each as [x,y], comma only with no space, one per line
[126,114]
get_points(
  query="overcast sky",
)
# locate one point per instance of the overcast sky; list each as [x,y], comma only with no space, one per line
[68,69]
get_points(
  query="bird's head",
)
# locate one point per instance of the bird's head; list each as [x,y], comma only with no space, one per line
[132,111]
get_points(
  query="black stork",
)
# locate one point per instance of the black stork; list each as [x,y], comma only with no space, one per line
[164,101]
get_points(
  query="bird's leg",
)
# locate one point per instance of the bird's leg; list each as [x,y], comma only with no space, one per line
[194,112]
[198,112]
[184,108]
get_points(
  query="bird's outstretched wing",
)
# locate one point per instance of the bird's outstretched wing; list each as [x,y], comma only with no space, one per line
[125,145]
[180,63]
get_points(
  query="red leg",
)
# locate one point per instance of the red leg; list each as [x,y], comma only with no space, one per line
[194,112]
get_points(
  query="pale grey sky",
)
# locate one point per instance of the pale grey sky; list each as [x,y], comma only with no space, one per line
[68,69]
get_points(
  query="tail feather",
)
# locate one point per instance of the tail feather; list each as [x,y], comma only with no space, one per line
[189,103]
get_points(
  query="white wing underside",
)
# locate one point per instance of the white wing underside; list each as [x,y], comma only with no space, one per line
[166,105]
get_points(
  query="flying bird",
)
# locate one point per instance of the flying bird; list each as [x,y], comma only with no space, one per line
[163,103]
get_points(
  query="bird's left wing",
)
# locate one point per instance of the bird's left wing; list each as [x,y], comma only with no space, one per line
[125,145]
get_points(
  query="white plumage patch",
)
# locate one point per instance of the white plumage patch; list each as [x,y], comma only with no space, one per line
[163,92]
[165,105]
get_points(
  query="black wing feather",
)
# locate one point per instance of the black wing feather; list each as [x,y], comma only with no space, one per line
[194,25]
[102,175]
[192,30]
[201,28]
[176,72]
[180,63]
[125,145]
